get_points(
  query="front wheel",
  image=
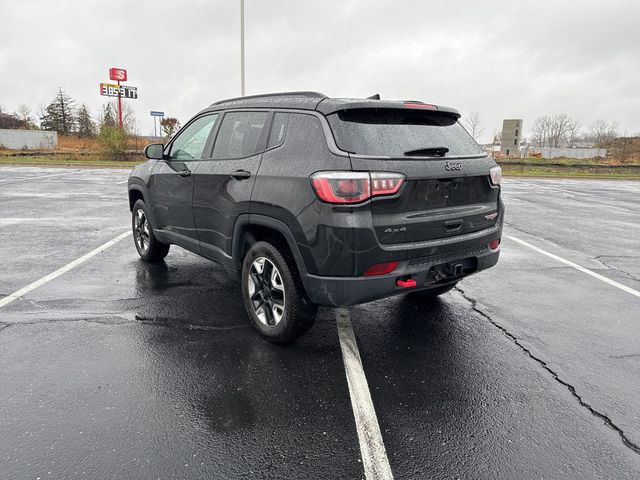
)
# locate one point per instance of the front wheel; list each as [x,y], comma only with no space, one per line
[273,294]
[148,246]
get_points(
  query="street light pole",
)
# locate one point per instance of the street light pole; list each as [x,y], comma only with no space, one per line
[242,48]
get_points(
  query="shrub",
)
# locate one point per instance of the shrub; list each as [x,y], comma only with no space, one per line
[114,142]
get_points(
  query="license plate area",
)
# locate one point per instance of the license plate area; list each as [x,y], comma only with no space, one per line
[446,272]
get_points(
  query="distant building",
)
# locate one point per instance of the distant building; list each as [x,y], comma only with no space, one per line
[568,152]
[511,137]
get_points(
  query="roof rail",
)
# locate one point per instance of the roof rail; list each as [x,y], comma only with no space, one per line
[268,95]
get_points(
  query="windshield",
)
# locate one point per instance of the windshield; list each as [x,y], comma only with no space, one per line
[401,133]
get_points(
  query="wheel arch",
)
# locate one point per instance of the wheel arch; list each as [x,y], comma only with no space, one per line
[250,228]
[135,193]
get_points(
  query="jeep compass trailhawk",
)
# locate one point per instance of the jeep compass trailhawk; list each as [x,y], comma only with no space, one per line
[309,200]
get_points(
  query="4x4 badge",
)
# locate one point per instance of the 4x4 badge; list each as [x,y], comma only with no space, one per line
[453,166]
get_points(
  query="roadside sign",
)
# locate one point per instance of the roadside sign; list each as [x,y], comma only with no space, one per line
[114,90]
[118,74]
[157,114]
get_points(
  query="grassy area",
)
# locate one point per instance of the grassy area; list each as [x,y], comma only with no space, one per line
[68,161]
[599,171]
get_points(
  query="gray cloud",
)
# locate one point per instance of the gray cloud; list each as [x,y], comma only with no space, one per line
[501,58]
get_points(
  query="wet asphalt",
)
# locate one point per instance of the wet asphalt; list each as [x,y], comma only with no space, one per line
[120,369]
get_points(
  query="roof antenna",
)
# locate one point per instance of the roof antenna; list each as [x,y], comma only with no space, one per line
[374,97]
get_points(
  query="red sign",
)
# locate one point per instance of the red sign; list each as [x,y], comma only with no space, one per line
[118,74]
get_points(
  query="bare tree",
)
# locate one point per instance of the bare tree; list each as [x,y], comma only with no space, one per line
[24,113]
[169,126]
[541,131]
[561,125]
[573,134]
[601,131]
[473,123]
[555,131]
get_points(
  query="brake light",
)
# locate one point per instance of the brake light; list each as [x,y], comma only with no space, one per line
[354,187]
[494,244]
[425,106]
[496,175]
[381,269]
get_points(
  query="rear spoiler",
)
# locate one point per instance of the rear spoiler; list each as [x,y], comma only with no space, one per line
[332,105]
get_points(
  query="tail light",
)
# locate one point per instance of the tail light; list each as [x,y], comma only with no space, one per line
[494,244]
[355,187]
[496,175]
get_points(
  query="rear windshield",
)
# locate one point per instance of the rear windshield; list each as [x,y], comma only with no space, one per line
[401,133]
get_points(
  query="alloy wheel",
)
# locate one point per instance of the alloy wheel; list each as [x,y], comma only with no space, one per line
[141,230]
[266,291]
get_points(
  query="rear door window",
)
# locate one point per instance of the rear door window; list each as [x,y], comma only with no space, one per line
[401,133]
[240,134]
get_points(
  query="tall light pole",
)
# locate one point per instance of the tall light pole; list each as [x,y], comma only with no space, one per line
[242,48]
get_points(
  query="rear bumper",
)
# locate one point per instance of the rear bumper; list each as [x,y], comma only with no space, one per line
[428,272]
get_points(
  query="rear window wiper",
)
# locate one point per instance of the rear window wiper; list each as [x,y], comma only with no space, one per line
[428,152]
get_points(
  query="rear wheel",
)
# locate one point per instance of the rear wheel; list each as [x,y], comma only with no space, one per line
[273,294]
[148,246]
[432,292]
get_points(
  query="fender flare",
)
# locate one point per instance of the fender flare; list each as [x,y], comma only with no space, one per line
[245,220]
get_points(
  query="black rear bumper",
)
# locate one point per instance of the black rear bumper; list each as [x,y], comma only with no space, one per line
[428,272]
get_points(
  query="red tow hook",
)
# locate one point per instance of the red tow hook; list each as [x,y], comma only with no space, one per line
[409,283]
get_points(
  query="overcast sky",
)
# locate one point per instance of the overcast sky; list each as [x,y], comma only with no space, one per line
[502,58]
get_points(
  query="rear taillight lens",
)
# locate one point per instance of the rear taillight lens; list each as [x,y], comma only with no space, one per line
[354,187]
[381,269]
[496,175]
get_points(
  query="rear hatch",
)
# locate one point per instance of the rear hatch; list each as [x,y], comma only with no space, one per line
[447,192]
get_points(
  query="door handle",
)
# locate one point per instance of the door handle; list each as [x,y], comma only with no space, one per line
[240,174]
[184,173]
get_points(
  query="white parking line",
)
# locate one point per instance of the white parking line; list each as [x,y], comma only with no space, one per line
[374,455]
[578,267]
[38,283]
[36,177]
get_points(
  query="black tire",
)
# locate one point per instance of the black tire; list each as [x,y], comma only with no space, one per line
[289,313]
[148,246]
[432,293]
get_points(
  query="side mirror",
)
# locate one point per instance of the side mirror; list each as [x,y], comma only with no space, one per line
[155,151]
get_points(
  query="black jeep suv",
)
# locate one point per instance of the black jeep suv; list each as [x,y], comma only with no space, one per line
[309,200]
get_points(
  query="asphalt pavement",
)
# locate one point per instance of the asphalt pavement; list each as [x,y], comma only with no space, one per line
[120,369]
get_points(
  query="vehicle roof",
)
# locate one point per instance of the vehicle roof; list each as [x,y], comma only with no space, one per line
[320,102]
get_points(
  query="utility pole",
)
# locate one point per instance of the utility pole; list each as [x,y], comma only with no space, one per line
[242,48]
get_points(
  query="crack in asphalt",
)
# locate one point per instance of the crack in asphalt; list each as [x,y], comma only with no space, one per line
[126,320]
[166,322]
[608,422]
[629,355]
[596,258]
[535,235]
[98,319]
[630,275]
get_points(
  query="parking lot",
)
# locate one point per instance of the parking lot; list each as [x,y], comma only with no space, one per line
[120,369]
